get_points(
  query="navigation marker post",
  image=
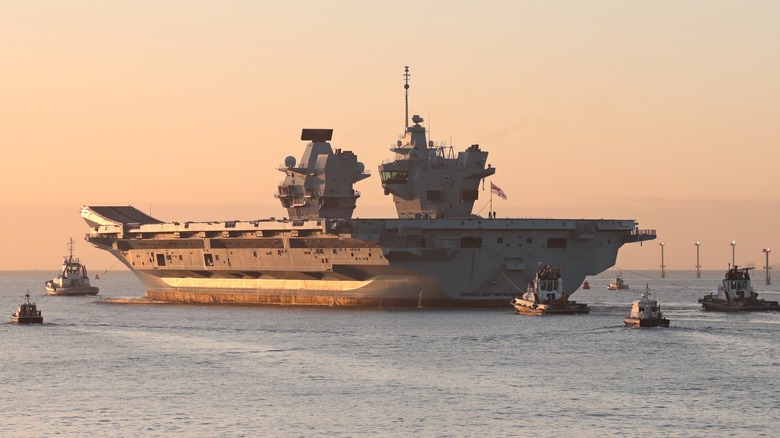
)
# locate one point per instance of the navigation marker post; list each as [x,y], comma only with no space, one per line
[663,267]
[767,267]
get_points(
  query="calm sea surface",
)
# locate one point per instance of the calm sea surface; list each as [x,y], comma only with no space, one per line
[116,369]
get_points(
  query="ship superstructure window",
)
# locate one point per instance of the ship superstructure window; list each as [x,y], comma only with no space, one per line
[469,195]
[329,202]
[556,242]
[395,177]
[470,242]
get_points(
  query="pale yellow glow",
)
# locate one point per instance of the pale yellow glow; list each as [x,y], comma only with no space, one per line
[664,112]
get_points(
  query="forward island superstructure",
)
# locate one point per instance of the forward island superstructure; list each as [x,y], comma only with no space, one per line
[435,254]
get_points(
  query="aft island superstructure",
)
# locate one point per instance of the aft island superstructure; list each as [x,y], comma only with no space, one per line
[436,253]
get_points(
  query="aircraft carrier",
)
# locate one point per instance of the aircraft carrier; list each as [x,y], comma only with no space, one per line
[437,253]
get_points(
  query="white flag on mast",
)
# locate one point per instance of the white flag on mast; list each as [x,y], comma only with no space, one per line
[497,190]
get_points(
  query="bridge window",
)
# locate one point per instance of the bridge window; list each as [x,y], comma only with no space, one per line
[470,242]
[330,203]
[556,242]
[469,195]
[434,195]
[394,176]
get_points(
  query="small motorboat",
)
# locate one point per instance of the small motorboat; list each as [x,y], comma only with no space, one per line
[736,294]
[545,296]
[27,313]
[72,278]
[646,312]
[618,284]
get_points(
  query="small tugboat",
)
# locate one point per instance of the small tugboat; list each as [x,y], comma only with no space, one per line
[27,313]
[545,296]
[646,312]
[72,279]
[618,284]
[736,294]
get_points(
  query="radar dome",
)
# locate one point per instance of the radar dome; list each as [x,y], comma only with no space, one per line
[361,167]
[289,161]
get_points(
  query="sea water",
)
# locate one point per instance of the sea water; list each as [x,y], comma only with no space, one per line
[97,368]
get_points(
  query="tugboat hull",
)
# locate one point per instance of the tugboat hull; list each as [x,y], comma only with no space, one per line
[72,291]
[739,306]
[525,307]
[654,322]
[27,319]
[736,294]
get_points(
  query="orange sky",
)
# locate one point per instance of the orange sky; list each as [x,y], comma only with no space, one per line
[663,112]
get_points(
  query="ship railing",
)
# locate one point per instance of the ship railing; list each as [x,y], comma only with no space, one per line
[321,192]
[389,160]
[638,232]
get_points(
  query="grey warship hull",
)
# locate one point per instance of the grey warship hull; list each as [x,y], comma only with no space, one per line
[361,262]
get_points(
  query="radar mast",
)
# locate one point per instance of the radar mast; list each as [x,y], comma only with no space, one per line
[406,97]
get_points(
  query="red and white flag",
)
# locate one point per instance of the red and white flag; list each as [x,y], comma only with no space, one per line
[497,190]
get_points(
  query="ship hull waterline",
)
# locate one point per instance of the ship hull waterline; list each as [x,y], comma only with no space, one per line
[379,292]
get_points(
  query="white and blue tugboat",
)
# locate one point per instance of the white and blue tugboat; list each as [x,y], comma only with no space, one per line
[736,294]
[545,296]
[618,284]
[72,278]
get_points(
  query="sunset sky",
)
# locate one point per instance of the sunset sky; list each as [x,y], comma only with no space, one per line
[667,112]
